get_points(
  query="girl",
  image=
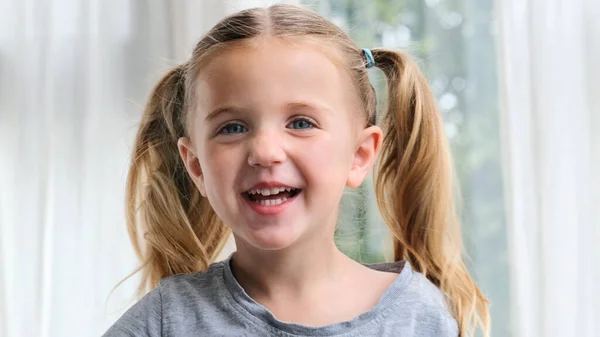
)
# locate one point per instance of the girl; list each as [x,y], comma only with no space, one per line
[259,132]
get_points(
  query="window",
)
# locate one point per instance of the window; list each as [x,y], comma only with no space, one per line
[454,42]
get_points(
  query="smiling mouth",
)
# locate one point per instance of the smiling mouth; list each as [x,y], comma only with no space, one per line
[271,196]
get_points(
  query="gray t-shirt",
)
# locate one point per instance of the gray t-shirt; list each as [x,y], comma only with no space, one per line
[212,303]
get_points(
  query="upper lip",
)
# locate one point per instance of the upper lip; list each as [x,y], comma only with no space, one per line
[268,184]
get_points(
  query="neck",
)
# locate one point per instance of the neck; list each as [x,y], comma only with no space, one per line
[294,271]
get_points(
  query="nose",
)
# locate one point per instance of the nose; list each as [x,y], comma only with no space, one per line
[266,149]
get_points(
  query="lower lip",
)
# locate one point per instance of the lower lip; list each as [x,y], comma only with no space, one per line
[272,209]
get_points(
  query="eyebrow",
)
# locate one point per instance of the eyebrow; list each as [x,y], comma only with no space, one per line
[307,106]
[213,114]
[289,106]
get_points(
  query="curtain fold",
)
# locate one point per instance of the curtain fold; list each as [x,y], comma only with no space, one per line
[550,119]
[74,76]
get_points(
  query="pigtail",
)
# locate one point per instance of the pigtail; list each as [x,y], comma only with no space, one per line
[415,192]
[173,229]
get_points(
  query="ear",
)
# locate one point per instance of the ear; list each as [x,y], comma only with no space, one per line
[192,164]
[369,145]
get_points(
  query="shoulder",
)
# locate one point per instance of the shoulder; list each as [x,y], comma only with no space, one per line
[192,293]
[429,305]
[143,319]
[191,283]
[423,290]
[419,304]
[415,286]
[175,295]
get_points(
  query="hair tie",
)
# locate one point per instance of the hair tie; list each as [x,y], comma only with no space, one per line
[369,57]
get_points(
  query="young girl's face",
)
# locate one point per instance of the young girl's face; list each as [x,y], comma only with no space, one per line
[276,136]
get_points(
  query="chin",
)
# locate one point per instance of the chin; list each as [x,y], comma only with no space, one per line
[271,240]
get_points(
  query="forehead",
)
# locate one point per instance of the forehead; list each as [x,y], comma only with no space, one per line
[273,71]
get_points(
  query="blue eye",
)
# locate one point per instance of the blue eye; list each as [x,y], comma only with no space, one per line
[233,128]
[301,123]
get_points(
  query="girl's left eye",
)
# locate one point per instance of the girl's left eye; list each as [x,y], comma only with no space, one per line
[233,128]
[301,124]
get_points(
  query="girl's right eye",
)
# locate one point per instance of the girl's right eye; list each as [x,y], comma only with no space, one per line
[233,128]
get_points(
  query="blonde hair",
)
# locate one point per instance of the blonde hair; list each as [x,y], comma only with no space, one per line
[174,229]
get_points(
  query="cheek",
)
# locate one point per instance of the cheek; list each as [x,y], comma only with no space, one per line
[219,171]
[328,160]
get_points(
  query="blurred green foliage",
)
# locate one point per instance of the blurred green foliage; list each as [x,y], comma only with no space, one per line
[453,41]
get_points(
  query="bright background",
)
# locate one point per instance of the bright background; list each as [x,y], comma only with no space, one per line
[517,82]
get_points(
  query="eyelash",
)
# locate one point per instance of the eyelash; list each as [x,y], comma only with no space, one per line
[304,119]
[311,123]
[222,130]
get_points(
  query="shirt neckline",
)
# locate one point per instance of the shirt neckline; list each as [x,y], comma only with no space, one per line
[261,316]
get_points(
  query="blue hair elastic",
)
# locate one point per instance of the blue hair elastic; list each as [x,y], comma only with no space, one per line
[369,57]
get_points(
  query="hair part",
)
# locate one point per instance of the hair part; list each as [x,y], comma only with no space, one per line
[174,229]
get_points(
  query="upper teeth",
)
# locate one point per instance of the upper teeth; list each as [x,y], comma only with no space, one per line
[270,191]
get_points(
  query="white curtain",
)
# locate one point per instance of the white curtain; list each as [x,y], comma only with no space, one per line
[550,78]
[74,76]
